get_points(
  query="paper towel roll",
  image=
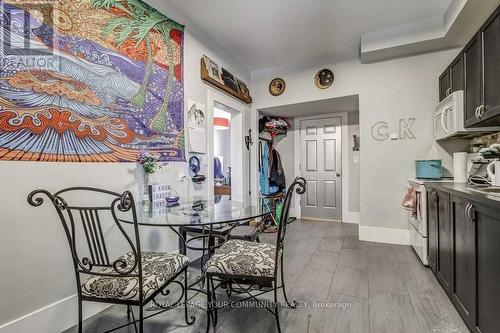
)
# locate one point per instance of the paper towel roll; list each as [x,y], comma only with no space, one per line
[460,167]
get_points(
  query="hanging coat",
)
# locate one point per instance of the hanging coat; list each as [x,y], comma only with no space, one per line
[277,174]
[265,167]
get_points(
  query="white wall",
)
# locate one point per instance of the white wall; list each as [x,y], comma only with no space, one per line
[36,265]
[388,91]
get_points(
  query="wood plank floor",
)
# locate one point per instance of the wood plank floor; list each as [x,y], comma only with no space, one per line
[344,285]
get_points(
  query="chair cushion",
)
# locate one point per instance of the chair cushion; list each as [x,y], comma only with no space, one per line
[240,258]
[157,269]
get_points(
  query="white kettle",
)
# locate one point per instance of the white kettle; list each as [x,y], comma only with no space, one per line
[494,173]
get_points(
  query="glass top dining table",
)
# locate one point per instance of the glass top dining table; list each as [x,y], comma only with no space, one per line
[200,211]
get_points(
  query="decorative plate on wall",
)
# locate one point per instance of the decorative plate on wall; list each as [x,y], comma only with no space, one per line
[324,78]
[277,87]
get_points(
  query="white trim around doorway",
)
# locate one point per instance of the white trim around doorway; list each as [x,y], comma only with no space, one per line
[239,188]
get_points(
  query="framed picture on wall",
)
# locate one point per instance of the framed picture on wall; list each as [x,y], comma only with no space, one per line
[242,87]
[213,69]
[229,80]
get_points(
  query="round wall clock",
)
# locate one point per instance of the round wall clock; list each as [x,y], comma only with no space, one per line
[277,87]
[324,78]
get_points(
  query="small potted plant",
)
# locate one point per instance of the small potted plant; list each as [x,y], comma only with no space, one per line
[150,164]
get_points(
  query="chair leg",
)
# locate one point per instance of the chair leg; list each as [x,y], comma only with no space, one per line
[141,318]
[276,310]
[189,321]
[80,316]
[209,300]
[291,304]
[128,312]
[215,301]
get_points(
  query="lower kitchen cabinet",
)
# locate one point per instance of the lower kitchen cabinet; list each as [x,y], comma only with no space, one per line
[464,246]
[487,220]
[432,218]
[463,292]
[445,257]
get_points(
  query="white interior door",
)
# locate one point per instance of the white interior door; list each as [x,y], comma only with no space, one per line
[321,165]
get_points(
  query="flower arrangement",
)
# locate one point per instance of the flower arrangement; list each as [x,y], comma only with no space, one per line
[149,162]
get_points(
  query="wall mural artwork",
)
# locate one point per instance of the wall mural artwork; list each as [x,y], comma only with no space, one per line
[90,81]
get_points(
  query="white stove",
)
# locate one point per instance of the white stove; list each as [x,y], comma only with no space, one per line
[418,226]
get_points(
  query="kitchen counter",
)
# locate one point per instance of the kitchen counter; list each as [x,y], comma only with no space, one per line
[471,192]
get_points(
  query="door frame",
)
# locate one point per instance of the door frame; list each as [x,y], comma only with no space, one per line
[239,187]
[346,216]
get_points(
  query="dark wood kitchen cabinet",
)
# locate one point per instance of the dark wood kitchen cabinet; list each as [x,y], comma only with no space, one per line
[470,228]
[489,111]
[457,76]
[439,224]
[444,262]
[432,218]
[444,84]
[473,80]
[463,292]
[487,221]
[452,78]
[477,71]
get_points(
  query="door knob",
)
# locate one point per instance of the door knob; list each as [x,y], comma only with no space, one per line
[338,174]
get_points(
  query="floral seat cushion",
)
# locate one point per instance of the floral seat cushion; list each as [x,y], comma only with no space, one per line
[157,269]
[240,258]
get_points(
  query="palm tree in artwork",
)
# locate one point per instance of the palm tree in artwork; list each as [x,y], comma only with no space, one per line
[163,25]
[139,21]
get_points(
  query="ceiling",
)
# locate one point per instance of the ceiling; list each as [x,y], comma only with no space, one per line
[324,106]
[267,33]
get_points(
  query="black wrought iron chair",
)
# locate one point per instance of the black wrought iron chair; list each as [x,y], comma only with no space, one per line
[251,264]
[132,277]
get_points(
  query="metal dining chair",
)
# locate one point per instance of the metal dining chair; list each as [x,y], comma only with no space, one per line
[255,264]
[108,262]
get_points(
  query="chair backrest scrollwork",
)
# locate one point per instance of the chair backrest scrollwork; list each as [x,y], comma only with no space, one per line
[88,227]
[298,186]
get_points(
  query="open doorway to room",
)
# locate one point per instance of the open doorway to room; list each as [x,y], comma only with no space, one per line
[322,145]
[222,151]
[227,153]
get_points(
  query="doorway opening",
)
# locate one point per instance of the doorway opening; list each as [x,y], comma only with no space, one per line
[222,151]
[322,146]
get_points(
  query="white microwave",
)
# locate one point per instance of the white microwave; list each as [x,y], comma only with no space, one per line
[449,121]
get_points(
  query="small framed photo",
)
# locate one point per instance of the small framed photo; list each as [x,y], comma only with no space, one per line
[213,69]
[243,88]
[229,80]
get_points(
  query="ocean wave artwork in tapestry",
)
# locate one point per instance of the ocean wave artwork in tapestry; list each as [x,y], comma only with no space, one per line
[90,81]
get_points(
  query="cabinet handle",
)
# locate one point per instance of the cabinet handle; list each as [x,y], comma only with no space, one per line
[434,195]
[469,211]
[480,111]
[448,92]
[477,112]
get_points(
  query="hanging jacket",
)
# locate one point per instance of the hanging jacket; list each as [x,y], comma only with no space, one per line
[277,174]
[265,168]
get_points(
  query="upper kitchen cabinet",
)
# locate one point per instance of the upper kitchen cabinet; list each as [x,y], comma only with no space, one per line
[457,73]
[473,80]
[489,111]
[452,78]
[482,75]
[444,84]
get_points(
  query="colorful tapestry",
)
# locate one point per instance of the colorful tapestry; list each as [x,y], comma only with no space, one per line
[90,81]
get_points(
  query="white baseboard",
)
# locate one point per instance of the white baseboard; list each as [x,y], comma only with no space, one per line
[384,235]
[350,217]
[53,318]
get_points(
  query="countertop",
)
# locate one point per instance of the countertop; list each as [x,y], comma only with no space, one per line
[466,190]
